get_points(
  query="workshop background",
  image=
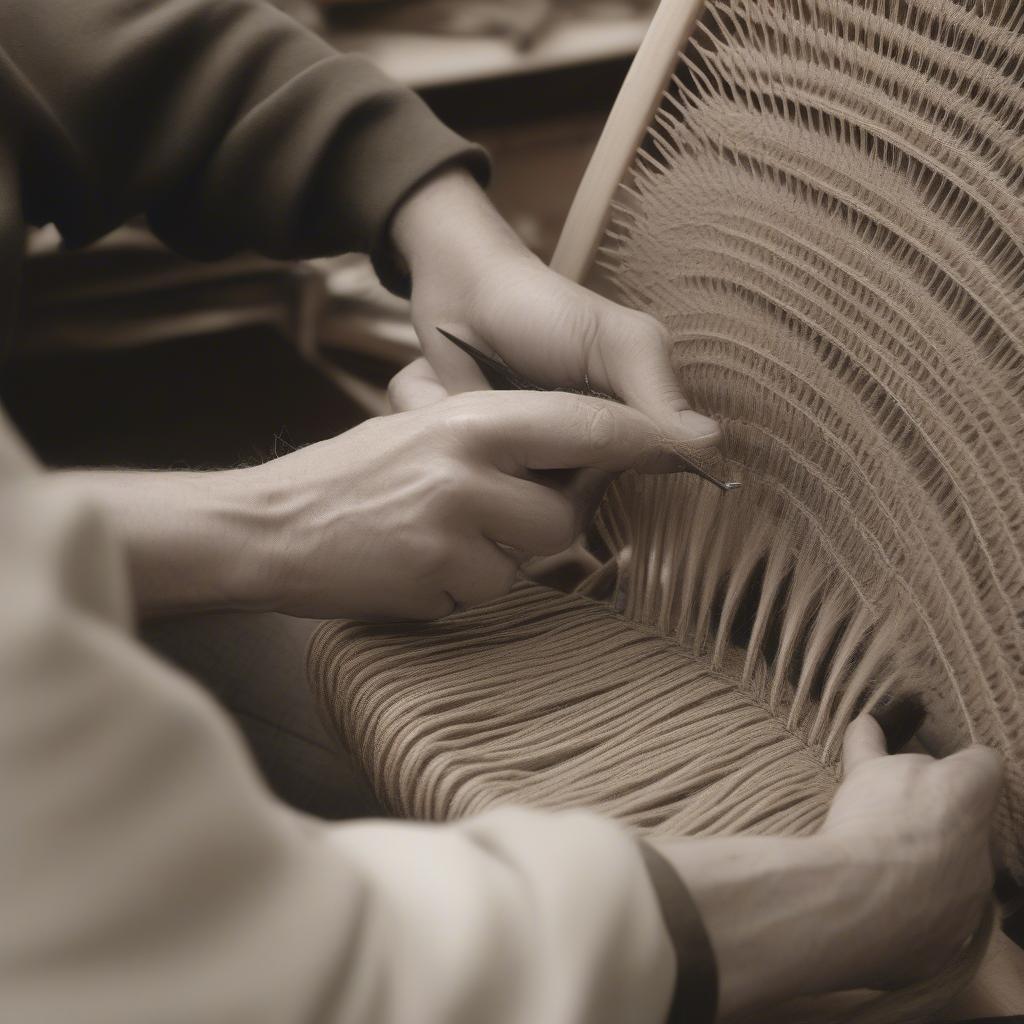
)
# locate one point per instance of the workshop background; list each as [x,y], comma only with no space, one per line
[130,356]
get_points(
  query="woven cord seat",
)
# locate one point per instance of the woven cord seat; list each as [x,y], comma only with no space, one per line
[555,701]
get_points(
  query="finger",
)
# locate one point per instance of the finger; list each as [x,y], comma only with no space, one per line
[586,489]
[527,516]
[415,387]
[530,430]
[479,573]
[635,353]
[454,369]
[864,741]
[980,769]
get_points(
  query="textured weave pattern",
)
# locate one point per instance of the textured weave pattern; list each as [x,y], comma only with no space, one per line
[830,221]
[829,218]
[555,701]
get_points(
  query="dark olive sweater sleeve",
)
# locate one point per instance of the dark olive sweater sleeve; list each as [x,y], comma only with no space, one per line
[225,122]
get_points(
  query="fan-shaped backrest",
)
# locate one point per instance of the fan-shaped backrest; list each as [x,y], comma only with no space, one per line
[828,214]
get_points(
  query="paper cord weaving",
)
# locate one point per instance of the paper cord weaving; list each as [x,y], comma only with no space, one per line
[828,216]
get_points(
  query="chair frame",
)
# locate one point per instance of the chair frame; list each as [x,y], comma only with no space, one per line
[639,97]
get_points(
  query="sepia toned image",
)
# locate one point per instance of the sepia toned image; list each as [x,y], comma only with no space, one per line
[511,511]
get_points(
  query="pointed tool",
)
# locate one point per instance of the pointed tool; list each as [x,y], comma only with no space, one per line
[502,377]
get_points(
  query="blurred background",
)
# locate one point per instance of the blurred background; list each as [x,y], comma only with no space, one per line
[304,350]
[129,356]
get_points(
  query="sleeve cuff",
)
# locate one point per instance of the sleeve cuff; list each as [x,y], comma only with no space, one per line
[395,144]
[695,999]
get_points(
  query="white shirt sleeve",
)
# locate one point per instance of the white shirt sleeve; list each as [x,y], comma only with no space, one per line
[146,875]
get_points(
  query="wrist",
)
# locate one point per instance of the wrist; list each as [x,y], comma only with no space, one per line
[448,223]
[786,917]
[258,510]
[880,905]
[192,539]
[238,518]
[210,553]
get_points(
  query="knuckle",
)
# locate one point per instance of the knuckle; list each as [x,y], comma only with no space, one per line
[600,426]
[455,481]
[580,321]
[462,422]
[464,417]
[430,553]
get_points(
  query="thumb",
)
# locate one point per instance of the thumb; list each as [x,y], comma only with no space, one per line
[524,430]
[635,351]
[864,741]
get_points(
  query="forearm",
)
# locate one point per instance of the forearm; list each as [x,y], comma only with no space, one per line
[154,878]
[193,539]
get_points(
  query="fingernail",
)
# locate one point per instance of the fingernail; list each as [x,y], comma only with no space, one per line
[699,428]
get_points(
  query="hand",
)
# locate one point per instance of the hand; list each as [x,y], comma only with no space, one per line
[921,831]
[885,894]
[473,276]
[413,515]
[417,386]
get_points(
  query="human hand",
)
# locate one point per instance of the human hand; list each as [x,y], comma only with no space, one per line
[413,515]
[885,894]
[472,275]
[920,830]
